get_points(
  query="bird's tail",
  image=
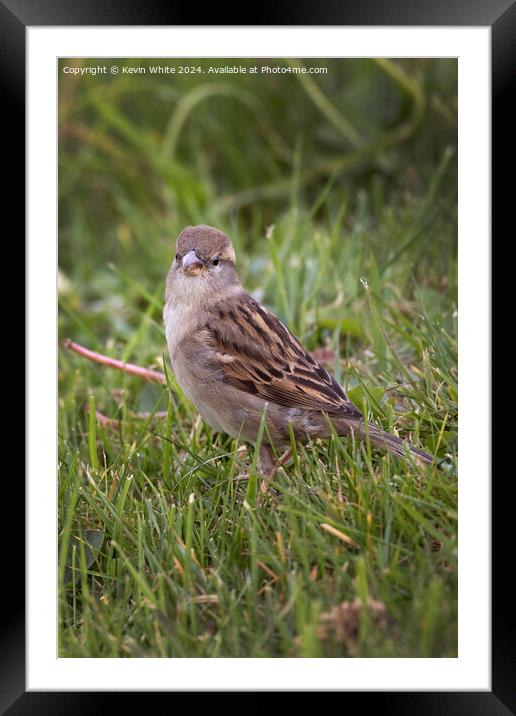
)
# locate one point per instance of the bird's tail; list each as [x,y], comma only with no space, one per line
[380,439]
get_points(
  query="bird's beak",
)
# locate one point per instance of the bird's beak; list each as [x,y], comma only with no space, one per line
[191,264]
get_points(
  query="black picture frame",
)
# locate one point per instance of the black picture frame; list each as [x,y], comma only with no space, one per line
[500,15]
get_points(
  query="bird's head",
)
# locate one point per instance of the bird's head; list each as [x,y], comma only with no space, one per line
[204,264]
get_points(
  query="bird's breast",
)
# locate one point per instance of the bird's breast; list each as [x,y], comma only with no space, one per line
[178,323]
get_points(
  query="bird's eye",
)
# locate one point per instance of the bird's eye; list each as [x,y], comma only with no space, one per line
[216,262]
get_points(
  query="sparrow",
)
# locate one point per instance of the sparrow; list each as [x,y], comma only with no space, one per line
[238,362]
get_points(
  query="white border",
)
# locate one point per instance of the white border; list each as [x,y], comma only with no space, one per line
[471,670]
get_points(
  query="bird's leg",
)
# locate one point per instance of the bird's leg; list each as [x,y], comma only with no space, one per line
[268,466]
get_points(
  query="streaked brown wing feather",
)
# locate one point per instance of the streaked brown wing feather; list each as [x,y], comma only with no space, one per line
[258,354]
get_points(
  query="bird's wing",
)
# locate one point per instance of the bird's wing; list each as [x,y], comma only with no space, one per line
[257,354]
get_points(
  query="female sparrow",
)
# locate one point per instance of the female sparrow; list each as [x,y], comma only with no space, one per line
[234,358]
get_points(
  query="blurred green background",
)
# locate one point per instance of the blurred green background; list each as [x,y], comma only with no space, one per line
[339,191]
[365,151]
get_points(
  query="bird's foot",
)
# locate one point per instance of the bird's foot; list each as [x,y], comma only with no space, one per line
[241,476]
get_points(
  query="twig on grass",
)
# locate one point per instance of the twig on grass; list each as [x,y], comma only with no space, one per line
[153,376]
[113,423]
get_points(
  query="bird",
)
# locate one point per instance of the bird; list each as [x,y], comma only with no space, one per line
[240,365]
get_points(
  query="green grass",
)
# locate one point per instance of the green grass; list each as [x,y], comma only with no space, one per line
[163,551]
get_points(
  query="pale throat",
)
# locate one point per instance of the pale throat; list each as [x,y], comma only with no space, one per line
[187,300]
